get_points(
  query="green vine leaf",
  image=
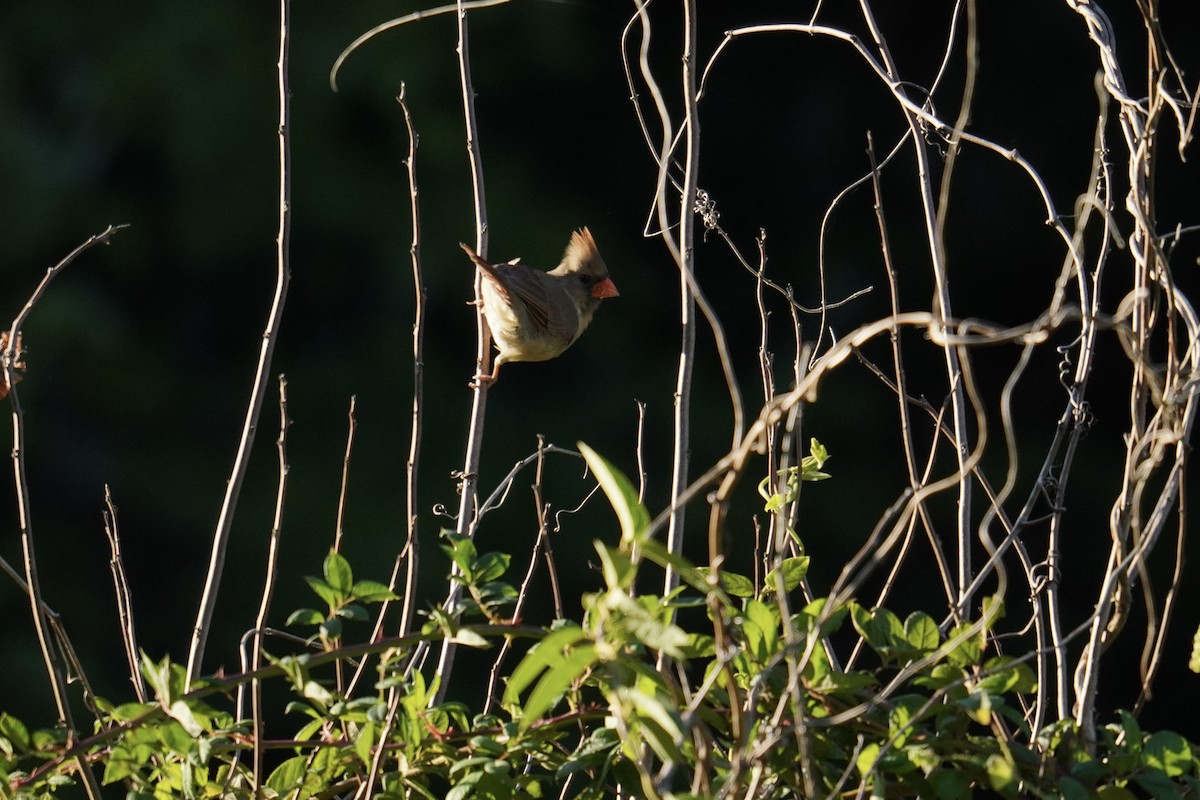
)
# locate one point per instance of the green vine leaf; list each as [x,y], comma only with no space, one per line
[631,514]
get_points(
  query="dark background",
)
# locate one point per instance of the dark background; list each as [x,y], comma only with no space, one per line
[142,353]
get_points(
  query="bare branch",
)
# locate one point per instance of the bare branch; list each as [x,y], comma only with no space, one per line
[233,487]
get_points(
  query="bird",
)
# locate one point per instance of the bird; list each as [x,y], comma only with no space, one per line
[536,315]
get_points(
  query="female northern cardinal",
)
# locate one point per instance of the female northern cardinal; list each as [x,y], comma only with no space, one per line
[535,315]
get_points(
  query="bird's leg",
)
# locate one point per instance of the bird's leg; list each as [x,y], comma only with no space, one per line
[488,379]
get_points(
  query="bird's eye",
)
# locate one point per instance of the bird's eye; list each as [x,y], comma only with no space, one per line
[585,279]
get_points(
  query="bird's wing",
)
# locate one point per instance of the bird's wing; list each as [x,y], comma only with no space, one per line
[550,310]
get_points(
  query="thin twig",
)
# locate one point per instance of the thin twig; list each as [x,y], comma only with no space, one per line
[686,258]
[460,6]
[258,391]
[954,370]
[351,427]
[124,597]
[470,473]
[541,545]
[412,545]
[906,433]
[272,574]
[10,363]
[367,789]
[409,554]
[640,451]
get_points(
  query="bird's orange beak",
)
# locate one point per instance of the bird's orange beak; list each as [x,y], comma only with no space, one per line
[605,288]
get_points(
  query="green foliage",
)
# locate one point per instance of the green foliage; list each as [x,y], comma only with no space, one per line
[627,699]
[487,596]
[809,470]
[344,599]
[1194,661]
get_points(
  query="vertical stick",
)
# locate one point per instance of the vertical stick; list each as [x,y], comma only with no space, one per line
[233,488]
[414,447]
[687,301]
[260,623]
[470,473]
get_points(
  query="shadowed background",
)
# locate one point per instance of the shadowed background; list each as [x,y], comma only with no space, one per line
[142,353]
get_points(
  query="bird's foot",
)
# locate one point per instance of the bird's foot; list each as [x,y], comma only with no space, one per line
[479,380]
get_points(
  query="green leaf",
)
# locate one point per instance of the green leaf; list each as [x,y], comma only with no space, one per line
[288,775]
[867,758]
[970,649]
[14,731]
[119,766]
[760,625]
[470,638]
[818,670]
[775,502]
[735,584]
[921,632]
[542,655]
[949,784]
[460,549]
[1002,773]
[331,628]
[1018,677]
[353,612]
[305,616]
[318,693]
[942,675]
[793,571]
[993,611]
[490,566]
[338,574]
[181,713]
[1133,731]
[813,474]
[159,677]
[923,756]
[978,706]
[880,628]
[902,717]
[1169,752]
[592,752]
[699,646]
[467,765]
[497,593]
[175,738]
[643,623]
[806,620]
[656,724]
[1194,660]
[617,567]
[1071,789]
[1090,770]
[373,592]
[817,452]
[130,711]
[621,495]
[487,745]
[417,696]
[1157,784]
[364,742]
[323,590]
[294,667]
[554,683]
